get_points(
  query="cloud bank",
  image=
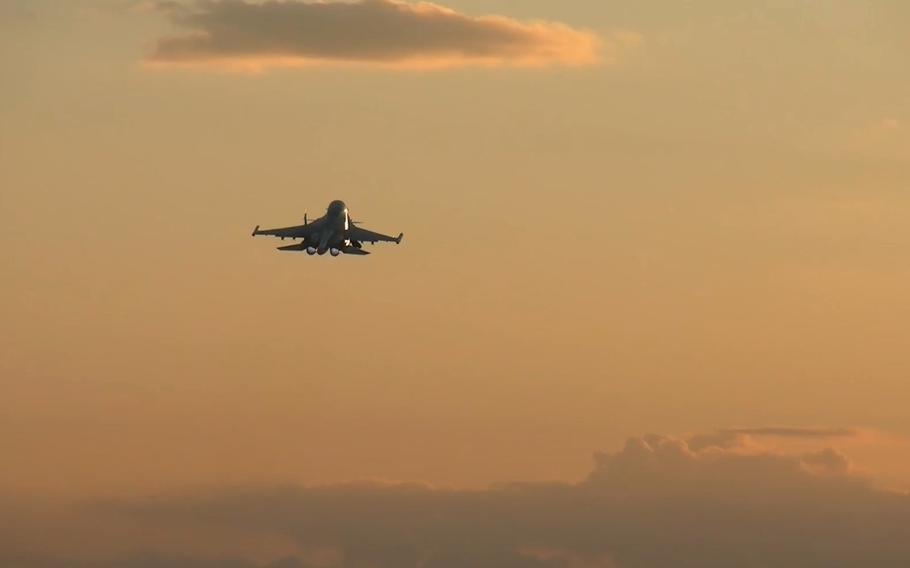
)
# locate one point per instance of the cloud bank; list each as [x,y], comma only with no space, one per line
[384,33]
[659,501]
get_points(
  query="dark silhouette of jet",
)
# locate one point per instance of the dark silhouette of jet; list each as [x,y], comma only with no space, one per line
[334,233]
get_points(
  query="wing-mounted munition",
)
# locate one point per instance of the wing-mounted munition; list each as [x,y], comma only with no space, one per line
[334,233]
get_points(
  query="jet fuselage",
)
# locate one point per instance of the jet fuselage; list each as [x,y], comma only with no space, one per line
[332,235]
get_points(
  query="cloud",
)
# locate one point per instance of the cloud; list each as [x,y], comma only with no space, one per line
[387,33]
[796,432]
[659,501]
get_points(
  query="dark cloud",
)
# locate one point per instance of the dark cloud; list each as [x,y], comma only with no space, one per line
[375,32]
[657,502]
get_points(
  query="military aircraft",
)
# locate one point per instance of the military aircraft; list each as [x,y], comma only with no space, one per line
[334,233]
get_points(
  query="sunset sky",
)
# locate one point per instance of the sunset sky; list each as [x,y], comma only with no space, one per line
[620,218]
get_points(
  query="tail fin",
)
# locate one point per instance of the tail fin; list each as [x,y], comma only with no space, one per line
[355,251]
[398,240]
[255,231]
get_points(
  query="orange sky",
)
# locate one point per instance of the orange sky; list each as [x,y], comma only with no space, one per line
[705,230]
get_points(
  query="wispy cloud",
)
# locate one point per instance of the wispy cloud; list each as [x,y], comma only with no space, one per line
[786,432]
[385,33]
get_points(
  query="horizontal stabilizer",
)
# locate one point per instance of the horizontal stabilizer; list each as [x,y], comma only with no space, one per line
[297,246]
[354,250]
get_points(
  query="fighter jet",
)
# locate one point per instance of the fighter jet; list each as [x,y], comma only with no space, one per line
[334,233]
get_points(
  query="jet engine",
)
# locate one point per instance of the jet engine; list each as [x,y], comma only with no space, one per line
[311,251]
[335,251]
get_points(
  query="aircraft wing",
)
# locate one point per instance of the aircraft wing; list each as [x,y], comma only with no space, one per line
[365,236]
[298,232]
